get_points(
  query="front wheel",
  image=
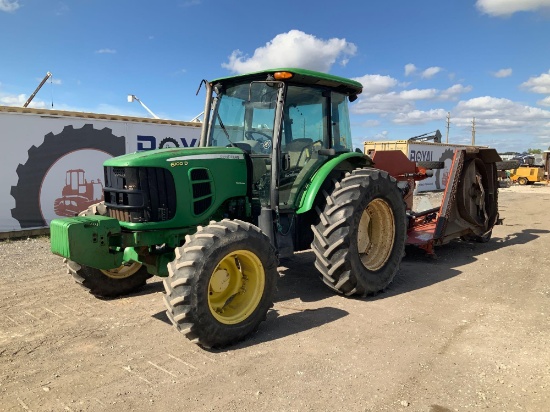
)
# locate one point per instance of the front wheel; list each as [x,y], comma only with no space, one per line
[522,181]
[360,238]
[109,283]
[221,283]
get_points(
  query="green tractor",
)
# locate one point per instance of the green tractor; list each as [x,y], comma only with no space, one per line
[274,173]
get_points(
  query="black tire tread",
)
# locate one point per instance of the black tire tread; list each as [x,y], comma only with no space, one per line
[190,266]
[100,285]
[97,283]
[334,229]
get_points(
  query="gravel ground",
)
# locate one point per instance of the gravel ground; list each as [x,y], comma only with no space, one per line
[464,332]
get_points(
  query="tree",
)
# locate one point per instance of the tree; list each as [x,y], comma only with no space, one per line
[534,151]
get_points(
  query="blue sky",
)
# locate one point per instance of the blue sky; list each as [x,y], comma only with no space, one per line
[418,60]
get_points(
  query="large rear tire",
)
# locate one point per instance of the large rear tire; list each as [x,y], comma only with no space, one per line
[108,283]
[360,238]
[221,283]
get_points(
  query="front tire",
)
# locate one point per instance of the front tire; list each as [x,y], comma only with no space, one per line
[221,283]
[108,283]
[360,238]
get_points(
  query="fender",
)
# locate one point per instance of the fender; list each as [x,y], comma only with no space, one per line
[345,161]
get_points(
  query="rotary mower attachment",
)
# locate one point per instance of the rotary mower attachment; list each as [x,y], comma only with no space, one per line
[469,207]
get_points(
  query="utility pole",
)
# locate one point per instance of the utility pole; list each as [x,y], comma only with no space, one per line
[448,124]
[474,132]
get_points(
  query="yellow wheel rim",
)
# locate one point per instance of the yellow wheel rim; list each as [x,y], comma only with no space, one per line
[375,235]
[236,287]
[123,271]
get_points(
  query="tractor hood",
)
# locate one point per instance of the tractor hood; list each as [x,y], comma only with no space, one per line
[166,157]
[174,188]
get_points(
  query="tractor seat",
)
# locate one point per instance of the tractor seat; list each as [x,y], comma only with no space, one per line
[298,151]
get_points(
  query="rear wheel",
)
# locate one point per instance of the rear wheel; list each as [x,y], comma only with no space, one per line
[108,283]
[221,283]
[522,181]
[360,238]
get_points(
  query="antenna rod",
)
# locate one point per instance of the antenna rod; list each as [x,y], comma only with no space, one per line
[48,75]
[474,132]
[448,124]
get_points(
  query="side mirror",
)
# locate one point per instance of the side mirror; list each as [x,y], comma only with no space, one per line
[285,161]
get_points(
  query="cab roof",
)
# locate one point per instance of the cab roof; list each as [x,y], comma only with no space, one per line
[300,76]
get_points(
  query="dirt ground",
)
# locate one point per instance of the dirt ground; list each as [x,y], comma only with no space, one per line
[465,332]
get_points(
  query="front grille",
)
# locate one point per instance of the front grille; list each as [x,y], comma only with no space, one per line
[201,184]
[199,174]
[140,194]
[201,189]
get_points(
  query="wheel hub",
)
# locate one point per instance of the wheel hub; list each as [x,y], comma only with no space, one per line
[236,287]
[220,281]
[123,271]
[375,234]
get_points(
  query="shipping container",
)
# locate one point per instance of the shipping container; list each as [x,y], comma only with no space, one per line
[421,151]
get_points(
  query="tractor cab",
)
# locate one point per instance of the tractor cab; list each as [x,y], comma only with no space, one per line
[289,123]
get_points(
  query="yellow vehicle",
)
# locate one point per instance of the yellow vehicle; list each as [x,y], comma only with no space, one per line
[527,175]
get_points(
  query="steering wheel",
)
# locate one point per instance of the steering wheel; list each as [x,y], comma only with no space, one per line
[264,140]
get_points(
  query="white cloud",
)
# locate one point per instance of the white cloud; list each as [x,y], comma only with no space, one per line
[503,73]
[295,49]
[418,94]
[420,116]
[9,6]
[62,9]
[106,51]
[499,115]
[392,102]
[376,83]
[370,123]
[540,84]
[409,69]
[382,104]
[19,100]
[454,91]
[544,102]
[383,135]
[377,97]
[430,72]
[509,7]
[190,3]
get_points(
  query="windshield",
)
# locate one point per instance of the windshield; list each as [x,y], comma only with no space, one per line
[243,123]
